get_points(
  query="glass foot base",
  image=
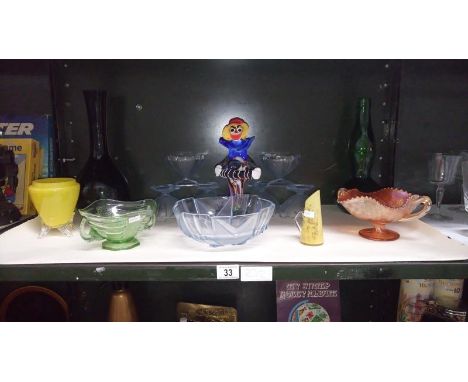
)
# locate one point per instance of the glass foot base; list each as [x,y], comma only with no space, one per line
[280,182]
[187,182]
[457,208]
[117,246]
[66,229]
[379,235]
[439,217]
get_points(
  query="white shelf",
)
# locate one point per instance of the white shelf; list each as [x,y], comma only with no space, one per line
[165,243]
[456,228]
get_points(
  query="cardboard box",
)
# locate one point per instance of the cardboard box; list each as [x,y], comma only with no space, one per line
[37,127]
[28,157]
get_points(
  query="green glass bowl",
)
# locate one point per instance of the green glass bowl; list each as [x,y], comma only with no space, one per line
[116,222]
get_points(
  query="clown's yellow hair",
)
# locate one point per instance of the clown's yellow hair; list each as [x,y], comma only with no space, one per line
[227,130]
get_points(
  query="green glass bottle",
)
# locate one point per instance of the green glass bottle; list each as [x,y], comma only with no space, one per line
[362,146]
[361,149]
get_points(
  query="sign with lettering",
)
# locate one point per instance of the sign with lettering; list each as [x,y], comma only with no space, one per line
[308,301]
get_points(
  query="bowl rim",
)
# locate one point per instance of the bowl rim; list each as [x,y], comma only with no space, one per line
[369,196]
[83,211]
[196,155]
[54,182]
[271,205]
[279,155]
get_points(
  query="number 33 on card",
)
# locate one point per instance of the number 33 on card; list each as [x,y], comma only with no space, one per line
[227,272]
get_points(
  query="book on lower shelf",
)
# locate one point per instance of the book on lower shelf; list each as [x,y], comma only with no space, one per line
[308,301]
[188,312]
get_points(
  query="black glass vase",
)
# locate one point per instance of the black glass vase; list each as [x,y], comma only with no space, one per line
[99,178]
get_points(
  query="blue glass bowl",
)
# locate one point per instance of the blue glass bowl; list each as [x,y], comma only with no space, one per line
[223,220]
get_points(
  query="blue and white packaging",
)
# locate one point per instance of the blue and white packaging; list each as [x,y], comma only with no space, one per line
[38,127]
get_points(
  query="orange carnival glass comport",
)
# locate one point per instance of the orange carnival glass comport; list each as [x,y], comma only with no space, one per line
[382,207]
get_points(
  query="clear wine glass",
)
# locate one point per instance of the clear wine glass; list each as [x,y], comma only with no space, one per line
[464,167]
[186,163]
[280,165]
[258,187]
[207,189]
[459,179]
[442,171]
[165,201]
[295,203]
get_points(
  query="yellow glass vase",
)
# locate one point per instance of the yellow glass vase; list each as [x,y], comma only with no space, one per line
[55,201]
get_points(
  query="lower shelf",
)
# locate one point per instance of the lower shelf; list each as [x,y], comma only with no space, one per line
[366,300]
[361,300]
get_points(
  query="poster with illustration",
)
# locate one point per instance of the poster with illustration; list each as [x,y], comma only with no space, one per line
[308,301]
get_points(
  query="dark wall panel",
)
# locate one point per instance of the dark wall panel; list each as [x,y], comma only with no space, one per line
[25,87]
[433,117]
[303,106]
[306,106]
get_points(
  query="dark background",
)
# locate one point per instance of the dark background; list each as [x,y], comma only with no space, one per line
[303,106]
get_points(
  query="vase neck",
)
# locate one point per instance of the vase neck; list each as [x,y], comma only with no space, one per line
[364,120]
[97,119]
[363,149]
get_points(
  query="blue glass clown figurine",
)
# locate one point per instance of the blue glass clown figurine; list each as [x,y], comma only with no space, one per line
[237,167]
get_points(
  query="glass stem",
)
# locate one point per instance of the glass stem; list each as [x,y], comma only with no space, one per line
[439,196]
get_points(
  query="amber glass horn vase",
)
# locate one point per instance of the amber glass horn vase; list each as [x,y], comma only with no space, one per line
[99,178]
[122,307]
